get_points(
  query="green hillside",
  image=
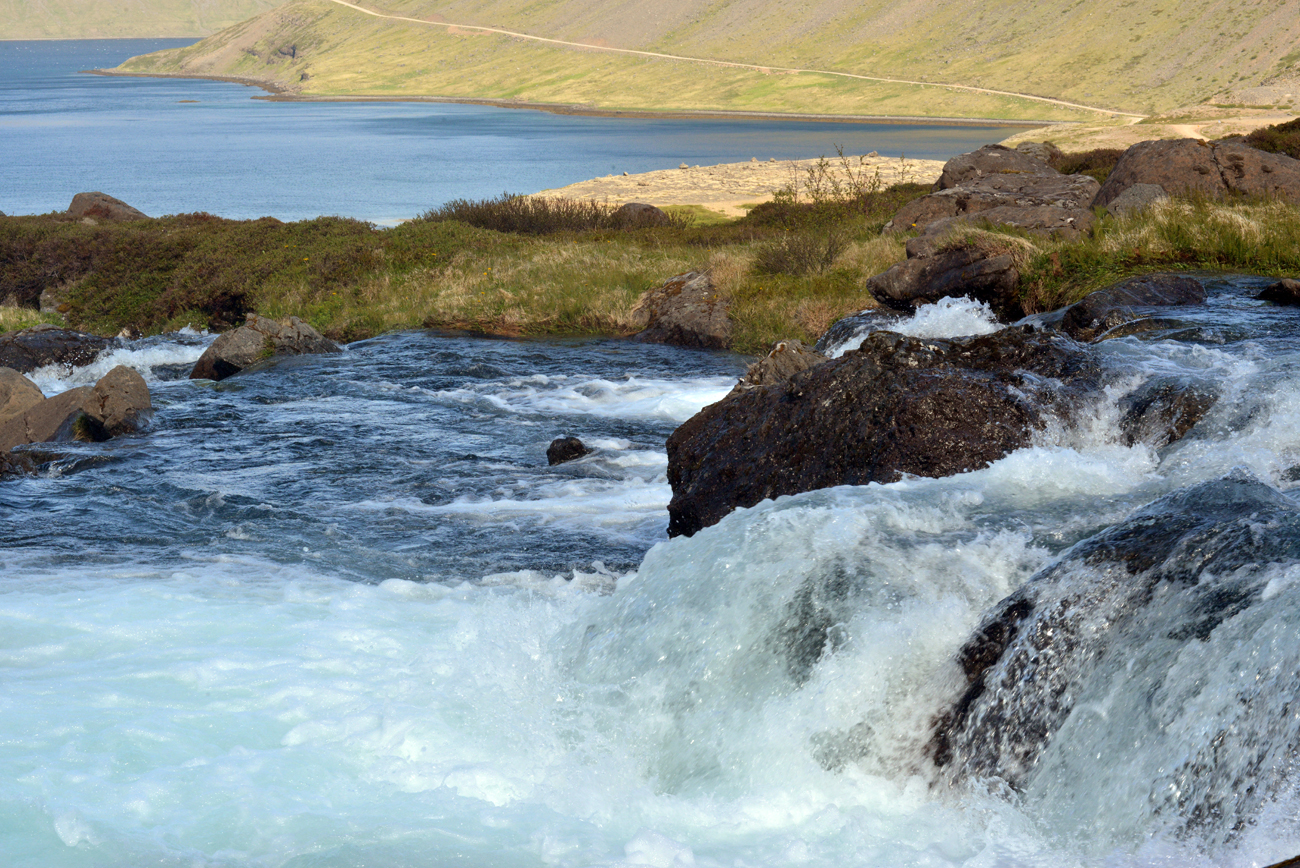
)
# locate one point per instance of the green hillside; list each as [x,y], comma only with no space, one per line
[1136,56]
[97,19]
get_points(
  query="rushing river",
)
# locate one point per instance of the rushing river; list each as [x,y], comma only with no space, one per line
[339,612]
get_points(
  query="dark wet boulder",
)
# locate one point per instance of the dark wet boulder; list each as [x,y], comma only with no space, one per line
[103,207]
[116,405]
[638,215]
[258,339]
[563,449]
[1002,186]
[989,276]
[1129,300]
[1105,642]
[854,326]
[1163,410]
[785,359]
[684,311]
[1214,169]
[1285,291]
[42,345]
[896,405]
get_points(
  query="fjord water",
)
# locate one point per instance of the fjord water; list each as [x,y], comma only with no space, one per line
[339,612]
[172,146]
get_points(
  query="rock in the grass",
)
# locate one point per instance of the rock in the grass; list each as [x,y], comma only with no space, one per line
[896,405]
[44,344]
[1128,300]
[564,449]
[259,338]
[967,271]
[118,404]
[638,215]
[685,311]
[786,359]
[1136,197]
[1183,166]
[1043,151]
[1285,291]
[103,207]
[1006,187]
[17,394]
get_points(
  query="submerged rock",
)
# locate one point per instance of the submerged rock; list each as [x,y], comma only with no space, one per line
[685,311]
[897,405]
[564,449]
[42,345]
[259,338]
[1128,300]
[1107,642]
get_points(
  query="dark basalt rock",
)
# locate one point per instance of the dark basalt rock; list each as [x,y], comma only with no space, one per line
[1128,300]
[685,311]
[259,338]
[1285,291]
[1104,624]
[564,449]
[864,321]
[897,405]
[1162,411]
[967,271]
[1183,166]
[42,345]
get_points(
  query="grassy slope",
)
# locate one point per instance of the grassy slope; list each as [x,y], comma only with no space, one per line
[1138,55]
[344,52]
[97,19]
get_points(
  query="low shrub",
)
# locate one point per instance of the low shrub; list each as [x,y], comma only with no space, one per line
[1277,139]
[526,215]
[798,252]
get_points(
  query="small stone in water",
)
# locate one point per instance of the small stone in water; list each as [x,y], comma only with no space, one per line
[564,449]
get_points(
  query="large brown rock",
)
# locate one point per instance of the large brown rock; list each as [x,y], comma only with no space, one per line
[1183,166]
[103,207]
[259,338]
[1004,186]
[638,215]
[896,405]
[118,404]
[988,277]
[42,345]
[686,312]
[17,394]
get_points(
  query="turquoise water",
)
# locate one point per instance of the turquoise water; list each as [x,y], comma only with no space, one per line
[229,154]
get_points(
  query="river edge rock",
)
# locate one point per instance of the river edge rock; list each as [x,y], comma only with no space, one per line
[258,339]
[117,405]
[897,405]
[42,345]
[684,311]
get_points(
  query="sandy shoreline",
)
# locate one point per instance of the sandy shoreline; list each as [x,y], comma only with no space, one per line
[277,93]
[728,187]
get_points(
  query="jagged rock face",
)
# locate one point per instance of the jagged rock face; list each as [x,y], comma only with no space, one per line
[103,207]
[786,359]
[897,405]
[685,311]
[1129,300]
[259,338]
[1002,186]
[990,278]
[42,345]
[1111,623]
[1184,166]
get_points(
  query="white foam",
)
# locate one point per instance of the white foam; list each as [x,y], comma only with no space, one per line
[946,318]
[142,357]
[633,398]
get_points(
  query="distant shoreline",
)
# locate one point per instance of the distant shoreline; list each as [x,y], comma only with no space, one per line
[276,93]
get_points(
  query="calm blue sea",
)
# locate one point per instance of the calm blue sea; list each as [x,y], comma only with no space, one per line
[143,141]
